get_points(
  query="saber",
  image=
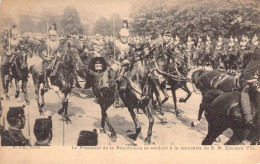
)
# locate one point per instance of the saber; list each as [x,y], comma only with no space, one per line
[29,128]
[9,44]
[114,38]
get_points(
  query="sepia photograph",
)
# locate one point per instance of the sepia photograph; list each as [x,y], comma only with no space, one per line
[130,73]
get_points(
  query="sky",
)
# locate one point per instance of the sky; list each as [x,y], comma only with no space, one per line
[88,9]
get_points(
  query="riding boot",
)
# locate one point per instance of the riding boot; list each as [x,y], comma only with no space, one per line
[45,82]
[246,108]
[55,69]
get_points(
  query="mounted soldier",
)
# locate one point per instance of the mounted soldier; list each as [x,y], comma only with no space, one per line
[255,43]
[189,49]
[244,45]
[208,45]
[10,48]
[231,46]
[219,46]
[251,76]
[49,52]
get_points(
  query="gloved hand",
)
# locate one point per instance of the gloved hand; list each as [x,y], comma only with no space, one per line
[124,62]
[253,84]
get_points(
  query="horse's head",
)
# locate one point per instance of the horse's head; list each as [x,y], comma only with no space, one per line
[22,60]
[73,60]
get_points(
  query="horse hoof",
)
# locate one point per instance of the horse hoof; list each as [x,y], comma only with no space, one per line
[67,119]
[178,113]
[41,113]
[7,98]
[147,141]
[181,100]
[60,111]
[192,124]
[27,102]
[102,130]
[164,120]
[113,136]
[42,105]
[132,136]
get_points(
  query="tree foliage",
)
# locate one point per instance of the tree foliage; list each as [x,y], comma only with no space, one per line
[70,21]
[196,17]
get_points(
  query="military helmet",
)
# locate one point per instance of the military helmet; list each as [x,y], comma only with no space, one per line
[167,33]
[15,113]
[52,32]
[124,32]
[14,31]
[43,128]
[88,138]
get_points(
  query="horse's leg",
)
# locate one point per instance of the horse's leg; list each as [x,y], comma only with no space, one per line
[17,88]
[175,101]
[213,133]
[158,98]
[153,100]
[24,89]
[5,86]
[105,119]
[239,135]
[42,98]
[151,122]
[64,98]
[136,122]
[164,91]
[186,89]
[37,88]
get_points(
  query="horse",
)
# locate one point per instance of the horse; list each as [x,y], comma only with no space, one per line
[207,80]
[20,72]
[223,111]
[17,69]
[70,64]
[173,68]
[138,86]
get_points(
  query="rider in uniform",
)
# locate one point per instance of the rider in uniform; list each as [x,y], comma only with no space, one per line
[49,53]
[14,136]
[252,77]
[231,46]
[255,43]
[208,45]
[219,46]
[188,50]
[244,45]
[11,49]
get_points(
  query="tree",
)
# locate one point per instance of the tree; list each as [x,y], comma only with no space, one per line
[196,17]
[70,21]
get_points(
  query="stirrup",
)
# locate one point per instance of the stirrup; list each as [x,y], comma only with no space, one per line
[118,104]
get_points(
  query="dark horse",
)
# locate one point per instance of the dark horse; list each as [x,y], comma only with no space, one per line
[138,85]
[207,80]
[19,70]
[170,68]
[65,78]
[223,111]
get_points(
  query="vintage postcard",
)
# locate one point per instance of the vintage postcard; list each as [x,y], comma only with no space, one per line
[165,79]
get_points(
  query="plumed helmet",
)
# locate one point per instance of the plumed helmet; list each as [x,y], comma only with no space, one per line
[15,113]
[255,38]
[88,138]
[236,40]
[15,31]
[189,38]
[167,33]
[177,38]
[124,32]
[52,33]
[231,39]
[43,128]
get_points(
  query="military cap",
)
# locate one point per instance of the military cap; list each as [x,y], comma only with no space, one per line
[88,138]
[43,128]
[15,113]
